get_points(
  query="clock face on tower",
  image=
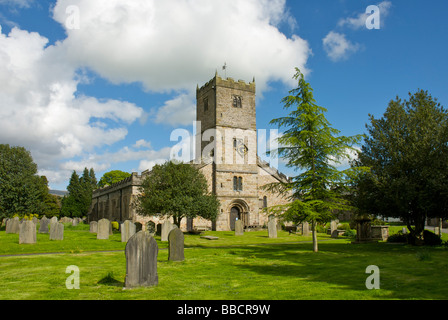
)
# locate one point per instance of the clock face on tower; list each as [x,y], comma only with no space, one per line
[240,147]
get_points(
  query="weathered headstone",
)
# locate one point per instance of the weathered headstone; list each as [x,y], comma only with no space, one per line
[56,231]
[93,227]
[75,222]
[104,228]
[35,220]
[176,245]
[272,227]
[141,261]
[305,229]
[13,225]
[27,232]
[53,220]
[239,228]
[44,222]
[127,230]
[167,226]
[334,229]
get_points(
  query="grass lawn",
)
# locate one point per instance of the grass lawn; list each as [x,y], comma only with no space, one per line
[249,267]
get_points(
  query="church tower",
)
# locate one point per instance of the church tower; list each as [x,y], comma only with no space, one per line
[226,148]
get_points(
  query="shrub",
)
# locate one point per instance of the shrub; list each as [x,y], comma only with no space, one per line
[344,226]
[431,239]
[349,233]
[398,237]
[115,225]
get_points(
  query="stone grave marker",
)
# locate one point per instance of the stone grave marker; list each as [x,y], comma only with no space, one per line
[127,230]
[27,233]
[239,228]
[53,220]
[93,227]
[13,225]
[305,229]
[141,261]
[176,245]
[44,222]
[272,227]
[167,226]
[104,228]
[56,231]
[334,229]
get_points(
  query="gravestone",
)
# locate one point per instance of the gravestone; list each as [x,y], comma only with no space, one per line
[35,220]
[127,230]
[167,226]
[75,222]
[176,245]
[93,227]
[305,229]
[334,229]
[239,228]
[13,225]
[44,222]
[141,261]
[57,231]
[272,227]
[104,228]
[53,220]
[27,233]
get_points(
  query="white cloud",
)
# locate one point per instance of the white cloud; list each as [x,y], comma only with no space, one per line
[338,47]
[39,108]
[176,44]
[180,110]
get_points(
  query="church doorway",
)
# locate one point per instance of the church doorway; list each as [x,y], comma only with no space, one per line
[238,211]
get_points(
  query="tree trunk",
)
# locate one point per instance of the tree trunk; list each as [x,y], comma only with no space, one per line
[313,227]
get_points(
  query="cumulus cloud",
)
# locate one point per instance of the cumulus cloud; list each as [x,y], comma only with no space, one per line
[338,47]
[176,44]
[40,109]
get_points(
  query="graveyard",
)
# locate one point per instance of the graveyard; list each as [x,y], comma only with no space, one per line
[252,266]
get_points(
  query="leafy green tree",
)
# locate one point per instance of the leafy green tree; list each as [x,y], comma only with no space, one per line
[112,177]
[407,151]
[21,190]
[176,190]
[312,146]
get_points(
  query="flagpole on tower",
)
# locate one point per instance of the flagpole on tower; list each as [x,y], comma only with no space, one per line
[224,67]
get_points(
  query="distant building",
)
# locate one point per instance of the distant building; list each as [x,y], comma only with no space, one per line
[225,109]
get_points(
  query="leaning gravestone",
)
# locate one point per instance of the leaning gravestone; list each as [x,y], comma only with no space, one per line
[239,229]
[93,227]
[53,220]
[272,227]
[104,228]
[127,230]
[57,231]
[27,232]
[13,225]
[44,222]
[167,226]
[176,245]
[141,261]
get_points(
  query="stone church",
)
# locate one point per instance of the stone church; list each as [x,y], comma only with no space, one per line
[226,153]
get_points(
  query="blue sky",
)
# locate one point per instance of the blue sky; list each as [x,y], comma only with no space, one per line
[104,83]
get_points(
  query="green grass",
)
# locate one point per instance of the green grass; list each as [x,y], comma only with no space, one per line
[249,267]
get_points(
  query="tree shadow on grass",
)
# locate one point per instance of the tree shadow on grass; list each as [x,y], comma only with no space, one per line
[343,265]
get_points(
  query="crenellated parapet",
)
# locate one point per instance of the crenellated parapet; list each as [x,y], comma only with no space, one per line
[133,180]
